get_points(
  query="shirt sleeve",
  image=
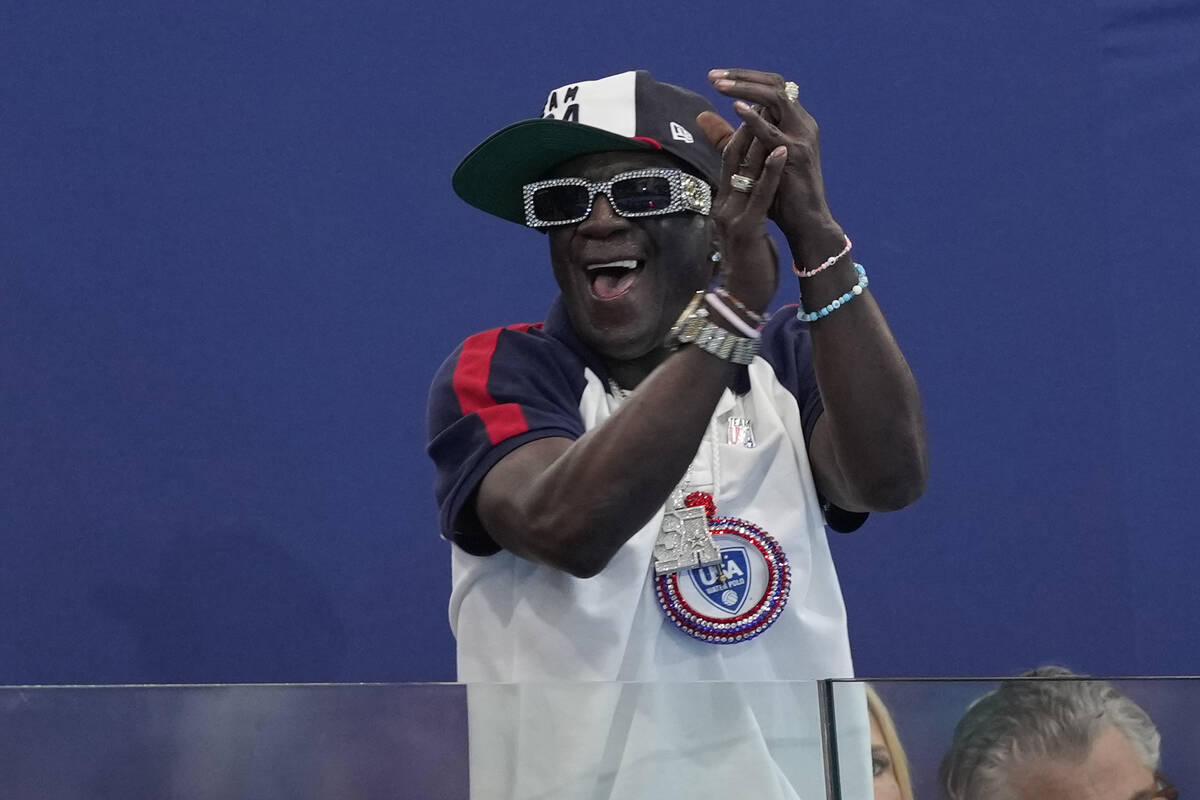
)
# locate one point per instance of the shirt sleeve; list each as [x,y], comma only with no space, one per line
[787,347]
[499,390]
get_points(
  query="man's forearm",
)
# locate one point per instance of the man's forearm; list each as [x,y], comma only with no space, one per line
[872,405]
[575,511]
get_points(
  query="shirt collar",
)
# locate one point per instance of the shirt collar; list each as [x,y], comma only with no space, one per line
[558,325]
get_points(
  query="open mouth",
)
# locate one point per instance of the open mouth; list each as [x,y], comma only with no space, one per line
[613,278]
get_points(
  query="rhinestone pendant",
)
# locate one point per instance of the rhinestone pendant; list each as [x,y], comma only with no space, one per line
[737,600]
[684,541]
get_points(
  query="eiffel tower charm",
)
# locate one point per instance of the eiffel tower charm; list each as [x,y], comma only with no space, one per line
[684,541]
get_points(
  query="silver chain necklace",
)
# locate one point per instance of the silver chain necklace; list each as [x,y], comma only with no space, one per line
[684,541]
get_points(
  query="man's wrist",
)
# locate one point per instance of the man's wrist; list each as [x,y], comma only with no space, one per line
[696,326]
[816,241]
[752,296]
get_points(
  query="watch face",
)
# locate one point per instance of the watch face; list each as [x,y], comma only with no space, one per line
[696,326]
[688,314]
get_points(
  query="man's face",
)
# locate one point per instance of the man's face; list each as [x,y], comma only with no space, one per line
[1111,771]
[624,314]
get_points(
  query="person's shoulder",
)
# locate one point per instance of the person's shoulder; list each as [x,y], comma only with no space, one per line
[514,361]
[511,344]
[520,331]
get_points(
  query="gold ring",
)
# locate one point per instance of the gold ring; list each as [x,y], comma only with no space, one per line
[740,183]
[791,90]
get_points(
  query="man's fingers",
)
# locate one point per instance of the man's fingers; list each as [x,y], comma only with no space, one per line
[773,97]
[752,164]
[736,151]
[764,190]
[748,75]
[715,128]
[762,127]
[770,97]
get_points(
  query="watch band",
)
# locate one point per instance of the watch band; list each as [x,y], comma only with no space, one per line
[694,327]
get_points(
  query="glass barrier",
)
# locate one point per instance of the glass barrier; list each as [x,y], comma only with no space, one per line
[434,742]
[600,741]
[223,742]
[1028,737]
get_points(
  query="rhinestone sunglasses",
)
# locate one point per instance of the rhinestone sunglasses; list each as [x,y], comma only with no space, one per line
[637,193]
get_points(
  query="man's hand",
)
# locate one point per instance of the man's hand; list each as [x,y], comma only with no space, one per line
[868,448]
[771,120]
[750,267]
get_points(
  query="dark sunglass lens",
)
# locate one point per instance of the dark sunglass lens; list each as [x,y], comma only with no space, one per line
[558,203]
[640,195]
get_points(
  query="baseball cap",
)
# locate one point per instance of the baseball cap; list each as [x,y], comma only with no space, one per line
[630,111]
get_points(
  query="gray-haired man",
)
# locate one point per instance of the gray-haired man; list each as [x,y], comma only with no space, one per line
[1051,733]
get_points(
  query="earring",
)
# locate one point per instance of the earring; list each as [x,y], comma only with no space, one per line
[716,256]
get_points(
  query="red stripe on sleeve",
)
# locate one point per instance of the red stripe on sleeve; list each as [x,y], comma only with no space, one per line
[471,373]
[503,422]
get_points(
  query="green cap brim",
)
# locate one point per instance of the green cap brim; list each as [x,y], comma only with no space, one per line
[492,175]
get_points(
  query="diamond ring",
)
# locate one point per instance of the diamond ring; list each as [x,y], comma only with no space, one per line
[791,90]
[740,183]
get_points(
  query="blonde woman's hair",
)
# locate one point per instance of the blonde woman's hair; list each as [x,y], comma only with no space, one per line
[891,740]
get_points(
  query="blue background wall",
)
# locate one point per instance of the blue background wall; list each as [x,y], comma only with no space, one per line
[230,262]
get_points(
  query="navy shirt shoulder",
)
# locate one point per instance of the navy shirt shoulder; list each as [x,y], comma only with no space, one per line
[498,390]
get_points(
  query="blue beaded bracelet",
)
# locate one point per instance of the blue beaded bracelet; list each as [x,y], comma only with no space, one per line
[855,291]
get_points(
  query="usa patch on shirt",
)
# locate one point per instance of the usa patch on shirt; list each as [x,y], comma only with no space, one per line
[739,433]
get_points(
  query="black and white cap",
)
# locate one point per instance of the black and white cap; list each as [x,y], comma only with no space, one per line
[627,112]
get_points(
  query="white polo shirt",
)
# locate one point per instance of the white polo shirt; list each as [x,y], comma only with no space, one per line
[518,621]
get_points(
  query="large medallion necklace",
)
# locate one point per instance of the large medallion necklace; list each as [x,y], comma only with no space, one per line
[737,598]
[722,580]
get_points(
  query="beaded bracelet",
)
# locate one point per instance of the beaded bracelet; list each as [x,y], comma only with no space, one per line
[855,291]
[753,316]
[733,319]
[824,265]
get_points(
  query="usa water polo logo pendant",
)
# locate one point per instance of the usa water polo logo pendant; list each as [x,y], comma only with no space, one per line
[737,598]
